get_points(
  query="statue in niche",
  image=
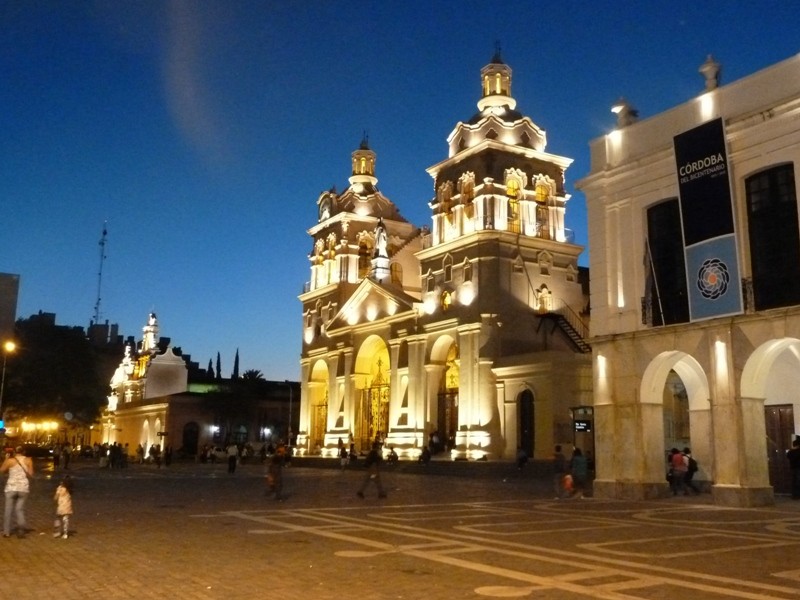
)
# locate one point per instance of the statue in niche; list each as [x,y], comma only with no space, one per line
[381,240]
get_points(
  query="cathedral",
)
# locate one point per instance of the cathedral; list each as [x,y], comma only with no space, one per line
[468,335]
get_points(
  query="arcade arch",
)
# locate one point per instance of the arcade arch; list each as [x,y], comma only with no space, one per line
[771,377]
[445,361]
[372,379]
[676,382]
[318,402]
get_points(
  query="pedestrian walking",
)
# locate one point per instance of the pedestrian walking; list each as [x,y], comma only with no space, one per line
[275,473]
[794,464]
[66,454]
[20,471]
[373,466]
[559,470]
[63,499]
[233,454]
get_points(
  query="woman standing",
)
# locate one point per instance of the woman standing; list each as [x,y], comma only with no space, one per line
[20,470]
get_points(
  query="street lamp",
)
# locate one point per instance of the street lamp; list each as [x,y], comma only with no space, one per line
[8,348]
[289,444]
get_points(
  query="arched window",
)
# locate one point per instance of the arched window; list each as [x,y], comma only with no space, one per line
[512,188]
[542,192]
[364,260]
[513,215]
[774,239]
[447,268]
[467,271]
[666,298]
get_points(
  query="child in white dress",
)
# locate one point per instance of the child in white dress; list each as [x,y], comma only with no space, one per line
[63,500]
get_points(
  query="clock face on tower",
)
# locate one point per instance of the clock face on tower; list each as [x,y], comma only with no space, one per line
[324,209]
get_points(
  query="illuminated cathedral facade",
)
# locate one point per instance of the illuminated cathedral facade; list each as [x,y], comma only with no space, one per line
[471,331]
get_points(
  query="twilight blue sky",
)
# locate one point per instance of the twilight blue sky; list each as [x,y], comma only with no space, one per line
[203,132]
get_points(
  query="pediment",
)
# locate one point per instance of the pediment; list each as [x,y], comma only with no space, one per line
[371,302]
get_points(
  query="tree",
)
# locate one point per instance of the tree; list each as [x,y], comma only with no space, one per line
[219,367]
[210,370]
[235,374]
[54,374]
[252,374]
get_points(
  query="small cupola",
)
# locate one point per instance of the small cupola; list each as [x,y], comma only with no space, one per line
[496,84]
[363,164]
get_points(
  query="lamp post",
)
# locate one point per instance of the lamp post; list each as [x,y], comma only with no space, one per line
[289,444]
[8,348]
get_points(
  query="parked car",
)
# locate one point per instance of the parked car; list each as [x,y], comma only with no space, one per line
[37,451]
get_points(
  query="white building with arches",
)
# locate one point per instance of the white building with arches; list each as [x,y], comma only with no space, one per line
[470,332]
[667,373]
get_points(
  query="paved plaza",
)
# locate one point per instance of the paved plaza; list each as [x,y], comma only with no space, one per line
[193,531]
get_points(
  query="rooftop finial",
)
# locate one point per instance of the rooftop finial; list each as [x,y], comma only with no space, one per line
[711,70]
[364,141]
[497,58]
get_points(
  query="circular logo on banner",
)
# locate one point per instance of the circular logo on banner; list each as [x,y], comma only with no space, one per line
[713,278]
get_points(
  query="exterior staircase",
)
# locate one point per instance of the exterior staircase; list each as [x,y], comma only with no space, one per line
[568,321]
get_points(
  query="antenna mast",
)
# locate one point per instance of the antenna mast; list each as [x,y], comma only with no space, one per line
[100,273]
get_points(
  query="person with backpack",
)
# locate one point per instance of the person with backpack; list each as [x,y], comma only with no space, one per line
[691,469]
[680,466]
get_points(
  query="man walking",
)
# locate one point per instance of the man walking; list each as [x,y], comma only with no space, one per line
[373,465]
[233,455]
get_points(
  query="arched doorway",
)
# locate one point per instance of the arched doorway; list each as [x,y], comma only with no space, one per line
[676,381]
[773,373]
[447,400]
[318,396]
[527,422]
[372,392]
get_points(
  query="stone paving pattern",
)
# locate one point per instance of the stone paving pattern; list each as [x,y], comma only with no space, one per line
[449,531]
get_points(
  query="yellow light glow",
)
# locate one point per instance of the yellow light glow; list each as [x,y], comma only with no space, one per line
[352,317]
[391,308]
[372,312]
[430,305]
[721,366]
[466,294]
[9,346]
[42,426]
[707,106]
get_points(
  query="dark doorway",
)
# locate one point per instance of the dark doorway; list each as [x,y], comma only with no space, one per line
[527,422]
[448,419]
[779,421]
[191,435]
